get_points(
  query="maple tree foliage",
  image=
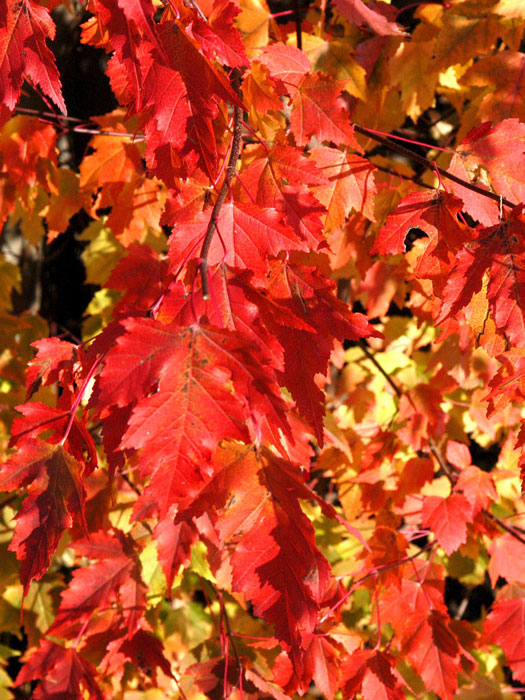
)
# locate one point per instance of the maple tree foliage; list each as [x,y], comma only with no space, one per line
[286,456]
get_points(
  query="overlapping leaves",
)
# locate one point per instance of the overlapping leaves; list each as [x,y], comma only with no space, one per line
[205,394]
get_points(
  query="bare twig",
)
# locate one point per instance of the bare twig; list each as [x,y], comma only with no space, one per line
[68,123]
[9,499]
[442,463]
[228,627]
[380,369]
[195,5]
[452,477]
[375,572]
[298,24]
[508,528]
[394,146]
[399,393]
[79,126]
[231,170]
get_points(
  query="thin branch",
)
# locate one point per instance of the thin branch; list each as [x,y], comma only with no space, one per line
[80,394]
[180,689]
[298,24]
[394,146]
[442,463]
[9,499]
[433,447]
[399,393]
[413,142]
[375,572]
[452,477]
[128,481]
[231,171]
[67,123]
[394,173]
[195,5]
[508,528]
[380,369]
[228,627]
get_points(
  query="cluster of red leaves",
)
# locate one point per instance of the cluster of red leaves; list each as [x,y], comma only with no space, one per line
[209,389]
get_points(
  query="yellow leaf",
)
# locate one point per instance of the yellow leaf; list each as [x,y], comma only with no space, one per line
[65,201]
[137,210]
[449,78]
[254,23]
[30,219]
[199,562]
[503,78]
[382,110]
[411,68]
[335,58]
[102,254]
[262,100]
[438,487]
[9,280]
[510,9]
[99,312]
[469,30]
[152,573]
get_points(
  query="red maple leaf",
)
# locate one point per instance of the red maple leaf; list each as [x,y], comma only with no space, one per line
[505,625]
[270,169]
[321,664]
[252,504]
[286,63]
[509,380]
[174,542]
[433,650]
[55,494]
[371,672]
[447,518]
[350,185]
[107,594]
[373,15]
[53,363]
[276,563]
[278,179]
[142,276]
[408,596]
[160,71]
[38,418]
[435,213]
[478,488]
[180,117]
[302,291]
[246,236]
[143,649]
[317,112]
[193,387]
[62,673]
[235,305]
[219,39]
[220,677]
[384,547]
[506,559]
[499,150]
[499,249]
[24,27]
